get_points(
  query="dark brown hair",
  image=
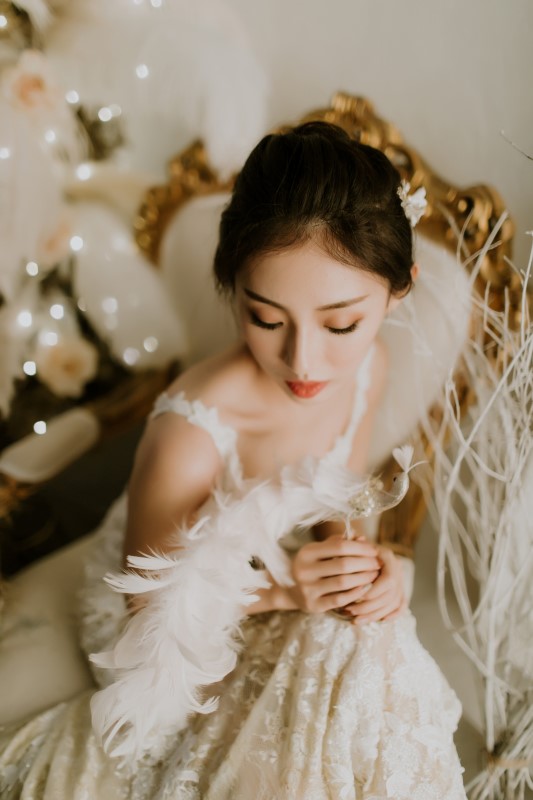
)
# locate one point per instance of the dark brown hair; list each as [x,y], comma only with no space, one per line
[314,182]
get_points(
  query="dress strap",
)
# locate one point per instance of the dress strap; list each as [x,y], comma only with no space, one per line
[223,436]
[342,448]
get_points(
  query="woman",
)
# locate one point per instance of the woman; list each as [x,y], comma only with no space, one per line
[315,250]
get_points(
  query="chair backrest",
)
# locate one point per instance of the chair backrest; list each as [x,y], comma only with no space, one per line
[426,333]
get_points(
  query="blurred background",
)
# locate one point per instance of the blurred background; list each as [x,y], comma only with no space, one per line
[96,98]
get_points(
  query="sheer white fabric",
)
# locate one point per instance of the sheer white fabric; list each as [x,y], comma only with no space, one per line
[315,709]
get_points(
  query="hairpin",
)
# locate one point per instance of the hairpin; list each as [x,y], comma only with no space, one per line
[414,205]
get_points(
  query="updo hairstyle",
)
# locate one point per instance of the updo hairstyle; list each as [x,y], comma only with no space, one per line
[314,182]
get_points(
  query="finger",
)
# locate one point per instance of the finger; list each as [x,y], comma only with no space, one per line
[382,586]
[346,565]
[370,592]
[337,600]
[336,546]
[398,611]
[377,615]
[365,607]
[360,593]
[345,583]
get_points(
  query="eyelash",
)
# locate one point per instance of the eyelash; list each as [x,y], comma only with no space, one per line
[341,331]
[272,326]
[269,326]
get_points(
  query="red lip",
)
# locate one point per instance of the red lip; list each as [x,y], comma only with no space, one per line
[305,388]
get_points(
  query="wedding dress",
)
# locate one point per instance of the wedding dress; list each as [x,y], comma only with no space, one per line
[315,709]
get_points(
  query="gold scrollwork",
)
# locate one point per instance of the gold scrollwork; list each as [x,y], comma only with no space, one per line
[189,176]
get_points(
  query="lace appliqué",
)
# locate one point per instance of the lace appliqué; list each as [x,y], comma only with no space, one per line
[224,437]
[315,708]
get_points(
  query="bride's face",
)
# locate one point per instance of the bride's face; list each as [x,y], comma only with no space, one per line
[309,320]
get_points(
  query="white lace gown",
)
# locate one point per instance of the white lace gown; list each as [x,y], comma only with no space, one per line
[316,709]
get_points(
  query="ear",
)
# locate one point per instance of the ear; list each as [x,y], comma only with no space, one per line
[395,300]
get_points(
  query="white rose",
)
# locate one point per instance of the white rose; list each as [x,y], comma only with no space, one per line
[66,367]
[31,84]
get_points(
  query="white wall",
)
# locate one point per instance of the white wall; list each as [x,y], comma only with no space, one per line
[451,75]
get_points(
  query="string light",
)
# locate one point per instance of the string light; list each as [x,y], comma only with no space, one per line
[5,152]
[29,367]
[76,243]
[57,311]
[115,109]
[156,3]
[25,319]
[32,268]
[82,305]
[105,114]
[84,172]
[72,97]
[3,21]
[150,344]
[49,338]
[142,71]
[131,356]
[50,136]
[40,427]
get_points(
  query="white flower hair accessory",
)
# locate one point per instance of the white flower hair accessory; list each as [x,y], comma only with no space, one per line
[413,205]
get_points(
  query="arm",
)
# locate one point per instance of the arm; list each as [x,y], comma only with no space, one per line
[174,472]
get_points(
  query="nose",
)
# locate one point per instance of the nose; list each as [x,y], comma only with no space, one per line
[296,352]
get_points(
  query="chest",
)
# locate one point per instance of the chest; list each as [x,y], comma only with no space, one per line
[266,446]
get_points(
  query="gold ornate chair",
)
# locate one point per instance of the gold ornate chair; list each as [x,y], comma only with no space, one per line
[176,226]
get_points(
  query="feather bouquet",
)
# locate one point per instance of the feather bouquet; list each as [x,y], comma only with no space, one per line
[184,639]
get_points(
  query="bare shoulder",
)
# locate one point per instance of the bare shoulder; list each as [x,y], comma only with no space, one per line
[175,469]
[221,382]
[177,464]
[174,452]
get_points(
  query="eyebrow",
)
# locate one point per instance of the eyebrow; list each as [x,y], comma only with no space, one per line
[340,304]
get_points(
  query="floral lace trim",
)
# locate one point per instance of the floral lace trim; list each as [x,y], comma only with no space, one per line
[224,437]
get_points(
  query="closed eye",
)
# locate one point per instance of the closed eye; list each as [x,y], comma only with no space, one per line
[269,326]
[341,331]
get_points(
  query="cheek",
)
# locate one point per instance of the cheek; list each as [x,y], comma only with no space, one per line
[349,349]
[344,353]
[262,344]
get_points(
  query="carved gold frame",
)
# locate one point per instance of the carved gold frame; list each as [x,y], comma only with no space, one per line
[461,218]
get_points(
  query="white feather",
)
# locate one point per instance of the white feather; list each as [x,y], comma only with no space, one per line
[184,638]
[404,456]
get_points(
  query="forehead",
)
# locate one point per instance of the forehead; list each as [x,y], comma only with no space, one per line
[306,274]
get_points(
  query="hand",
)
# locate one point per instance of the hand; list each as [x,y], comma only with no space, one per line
[385,599]
[331,573]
